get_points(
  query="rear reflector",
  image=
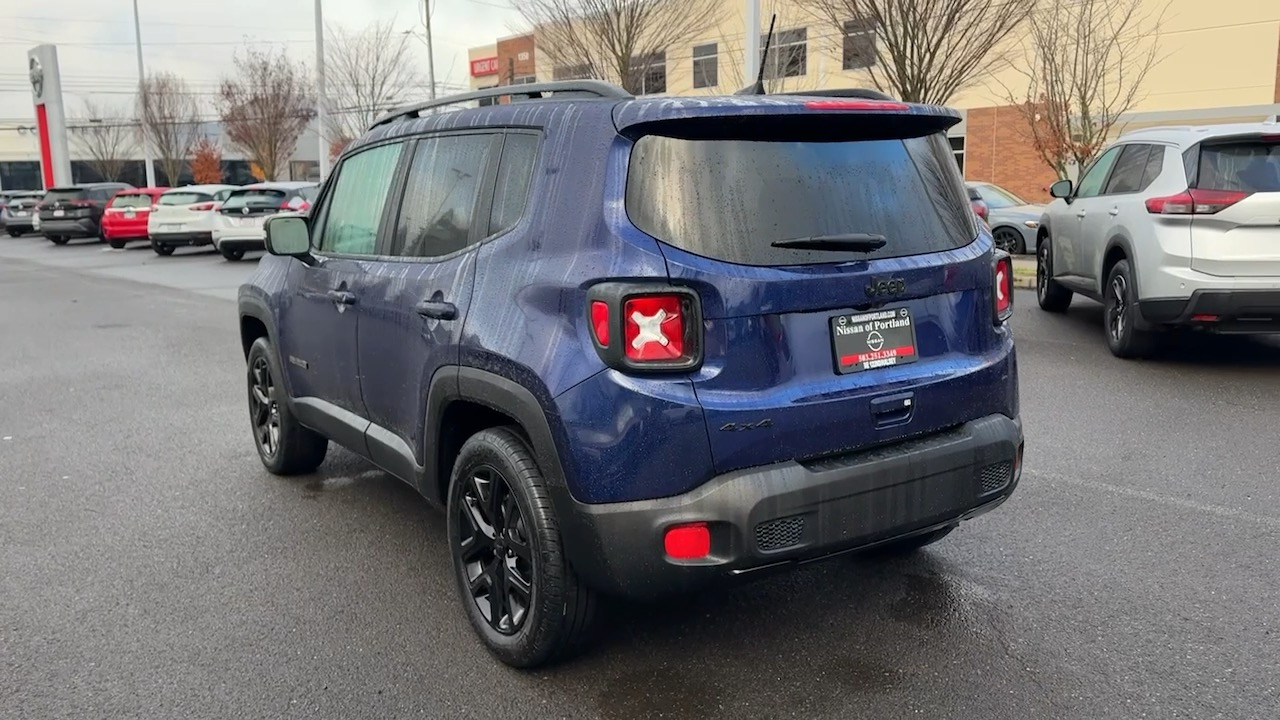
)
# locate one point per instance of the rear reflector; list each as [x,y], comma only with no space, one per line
[1195,201]
[1003,288]
[1204,318]
[690,541]
[600,321]
[856,105]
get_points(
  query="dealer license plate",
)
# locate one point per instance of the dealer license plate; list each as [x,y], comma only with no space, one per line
[59,213]
[20,213]
[865,341]
[170,228]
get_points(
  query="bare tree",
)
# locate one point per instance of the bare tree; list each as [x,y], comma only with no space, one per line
[623,41]
[107,138]
[1087,61]
[371,70]
[787,67]
[926,52]
[170,116]
[266,107]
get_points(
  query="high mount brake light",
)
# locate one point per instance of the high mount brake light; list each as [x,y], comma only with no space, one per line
[646,327]
[856,105]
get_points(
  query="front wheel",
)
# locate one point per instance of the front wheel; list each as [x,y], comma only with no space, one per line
[284,445]
[1051,296]
[519,593]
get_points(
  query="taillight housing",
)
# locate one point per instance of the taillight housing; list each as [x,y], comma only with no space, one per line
[1002,287]
[643,327]
[202,207]
[1195,201]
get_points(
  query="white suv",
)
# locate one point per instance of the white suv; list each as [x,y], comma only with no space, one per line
[1170,227]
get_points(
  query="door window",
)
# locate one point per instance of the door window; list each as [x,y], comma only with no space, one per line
[1127,176]
[1091,182]
[440,195]
[354,213]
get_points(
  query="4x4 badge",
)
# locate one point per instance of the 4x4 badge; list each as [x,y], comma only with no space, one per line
[892,286]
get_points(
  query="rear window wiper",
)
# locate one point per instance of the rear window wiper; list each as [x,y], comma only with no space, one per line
[862,242]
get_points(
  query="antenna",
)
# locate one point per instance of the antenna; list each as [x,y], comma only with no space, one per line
[758,87]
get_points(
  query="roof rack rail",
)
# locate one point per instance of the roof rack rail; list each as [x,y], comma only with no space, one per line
[530,91]
[860,93]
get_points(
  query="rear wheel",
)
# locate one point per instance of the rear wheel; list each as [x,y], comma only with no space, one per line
[15,233]
[1120,313]
[284,445]
[517,588]
[117,244]
[59,239]
[232,255]
[1051,296]
[161,249]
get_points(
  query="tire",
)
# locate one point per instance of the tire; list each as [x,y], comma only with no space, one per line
[906,546]
[59,239]
[497,480]
[1010,241]
[15,233]
[284,445]
[232,255]
[1051,296]
[1120,317]
[117,244]
[161,249]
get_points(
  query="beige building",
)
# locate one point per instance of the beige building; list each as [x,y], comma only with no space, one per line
[1220,62]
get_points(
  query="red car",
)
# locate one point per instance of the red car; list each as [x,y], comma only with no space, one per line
[126,215]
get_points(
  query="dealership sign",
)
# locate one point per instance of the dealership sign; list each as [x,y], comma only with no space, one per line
[484,66]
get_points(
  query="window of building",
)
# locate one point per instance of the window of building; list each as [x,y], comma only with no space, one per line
[706,66]
[957,151]
[571,72]
[525,80]
[650,73]
[859,44]
[21,175]
[788,54]
[440,197]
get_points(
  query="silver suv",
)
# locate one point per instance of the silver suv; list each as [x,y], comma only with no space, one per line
[1170,227]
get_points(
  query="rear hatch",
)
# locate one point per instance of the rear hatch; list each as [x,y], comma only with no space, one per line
[847,301]
[130,205]
[1235,231]
[248,209]
[175,210]
[66,203]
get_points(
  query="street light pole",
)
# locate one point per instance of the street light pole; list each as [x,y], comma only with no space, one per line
[751,66]
[431,53]
[320,92]
[142,96]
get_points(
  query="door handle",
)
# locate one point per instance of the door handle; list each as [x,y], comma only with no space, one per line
[1114,211]
[342,297]
[437,310]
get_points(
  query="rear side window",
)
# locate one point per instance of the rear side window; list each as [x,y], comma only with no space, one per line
[1127,175]
[131,201]
[1248,166]
[514,174]
[256,199]
[184,198]
[440,195]
[730,199]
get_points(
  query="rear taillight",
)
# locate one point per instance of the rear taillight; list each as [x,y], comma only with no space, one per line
[980,208]
[203,207]
[1002,288]
[1195,201]
[641,327]
[295,203]
[154,208]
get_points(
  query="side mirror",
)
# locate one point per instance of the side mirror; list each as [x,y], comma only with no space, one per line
[1061,189]
[288,235]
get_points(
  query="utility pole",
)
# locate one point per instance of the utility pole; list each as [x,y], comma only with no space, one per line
[751,68]
[320,92]
[142,96]
[431,53]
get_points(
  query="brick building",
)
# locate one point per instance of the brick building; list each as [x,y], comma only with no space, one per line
[1220,63]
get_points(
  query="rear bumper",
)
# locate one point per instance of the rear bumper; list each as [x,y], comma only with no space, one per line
[22,224]
[1224,311]
[182,239]
[124,231]
[795,512]
[78,227]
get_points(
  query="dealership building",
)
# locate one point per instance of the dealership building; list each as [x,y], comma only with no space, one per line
[1219,62]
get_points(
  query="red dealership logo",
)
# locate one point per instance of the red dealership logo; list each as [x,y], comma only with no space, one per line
[484,66]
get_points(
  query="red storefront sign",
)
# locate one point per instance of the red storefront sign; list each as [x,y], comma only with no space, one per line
[484,66]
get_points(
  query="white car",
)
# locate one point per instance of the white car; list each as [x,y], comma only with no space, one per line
[238,224]
[183,217]
[1170,227]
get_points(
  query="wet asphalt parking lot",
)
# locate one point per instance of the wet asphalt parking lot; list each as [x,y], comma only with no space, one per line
[149,567]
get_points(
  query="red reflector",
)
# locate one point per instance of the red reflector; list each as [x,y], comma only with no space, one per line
[1205,318]
[653,328]
[688,542]
[600,321]
[856,105]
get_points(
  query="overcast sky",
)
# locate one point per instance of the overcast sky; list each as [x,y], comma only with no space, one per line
[198,39]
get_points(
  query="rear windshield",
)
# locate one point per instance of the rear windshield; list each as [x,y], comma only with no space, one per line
[1251,166]
[184,198]
[253,199]
[131,201]
[68,195]
[730,198]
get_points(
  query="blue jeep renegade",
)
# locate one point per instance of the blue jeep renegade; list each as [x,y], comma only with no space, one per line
[637,346]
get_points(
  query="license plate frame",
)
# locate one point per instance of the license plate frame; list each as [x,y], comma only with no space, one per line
[871,340]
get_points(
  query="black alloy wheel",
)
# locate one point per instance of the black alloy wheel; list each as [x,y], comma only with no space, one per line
[1009,240]
[263,408]
[1117,308]
[494,548]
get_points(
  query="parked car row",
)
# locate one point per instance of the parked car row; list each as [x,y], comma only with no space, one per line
[228,217]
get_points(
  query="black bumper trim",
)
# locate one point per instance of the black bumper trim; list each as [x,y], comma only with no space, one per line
[1236,311]
[245,244]
[181,239]
[847,503]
